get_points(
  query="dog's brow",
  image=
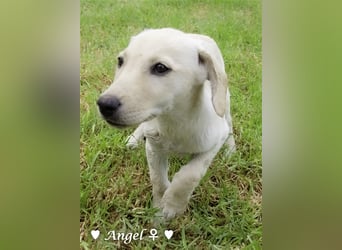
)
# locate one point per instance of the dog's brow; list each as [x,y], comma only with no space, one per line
[164,60]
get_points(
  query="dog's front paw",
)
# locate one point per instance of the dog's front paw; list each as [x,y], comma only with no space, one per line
[231,147]
[172,208]
[170,212]
[132,142]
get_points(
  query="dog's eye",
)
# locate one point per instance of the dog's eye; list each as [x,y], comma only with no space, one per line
[159,69]
[120,61]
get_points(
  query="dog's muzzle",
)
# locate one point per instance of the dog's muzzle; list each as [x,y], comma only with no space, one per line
[110,109]
[109,106]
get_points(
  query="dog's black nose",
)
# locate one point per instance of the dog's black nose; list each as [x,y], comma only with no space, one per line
[108,105]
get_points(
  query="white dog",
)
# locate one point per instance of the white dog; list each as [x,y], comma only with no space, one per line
[174,85]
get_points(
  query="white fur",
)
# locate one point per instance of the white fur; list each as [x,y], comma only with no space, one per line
[186,110]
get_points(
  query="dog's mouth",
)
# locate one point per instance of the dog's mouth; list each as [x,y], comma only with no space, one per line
[117,125]
[126,125]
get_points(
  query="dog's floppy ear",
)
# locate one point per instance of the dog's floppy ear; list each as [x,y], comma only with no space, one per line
[218,79]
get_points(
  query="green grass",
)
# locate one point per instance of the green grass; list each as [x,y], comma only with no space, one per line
[225,210]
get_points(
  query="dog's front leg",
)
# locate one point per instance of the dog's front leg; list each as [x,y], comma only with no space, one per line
[177,196]
[158,167]
[136,137]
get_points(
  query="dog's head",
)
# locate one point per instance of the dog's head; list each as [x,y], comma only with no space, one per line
[158,72]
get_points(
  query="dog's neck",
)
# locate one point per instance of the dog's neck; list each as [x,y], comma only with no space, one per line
[194,110]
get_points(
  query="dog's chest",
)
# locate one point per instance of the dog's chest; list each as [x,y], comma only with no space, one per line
[183,144]
[185,139]
[187,135]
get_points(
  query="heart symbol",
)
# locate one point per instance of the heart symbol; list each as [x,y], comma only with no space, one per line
[95,234]
[168,234]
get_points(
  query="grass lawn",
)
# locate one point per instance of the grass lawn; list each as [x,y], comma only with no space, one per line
[225,210]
